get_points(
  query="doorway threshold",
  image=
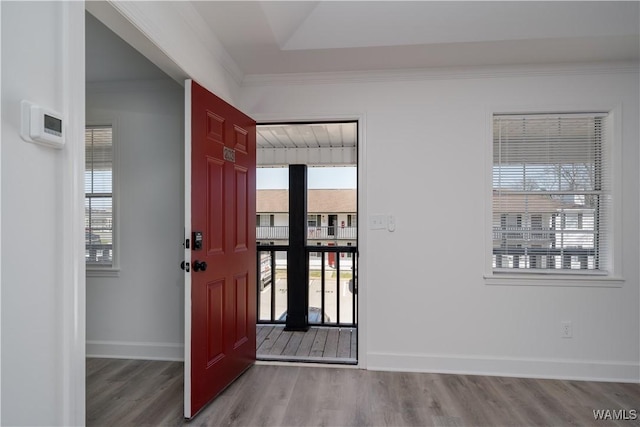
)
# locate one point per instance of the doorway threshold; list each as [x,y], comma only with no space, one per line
[320,344]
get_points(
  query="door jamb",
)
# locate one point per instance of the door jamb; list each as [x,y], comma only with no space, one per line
[187,251]
[73,298]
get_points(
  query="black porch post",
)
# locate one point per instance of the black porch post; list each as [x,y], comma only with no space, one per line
[297,284]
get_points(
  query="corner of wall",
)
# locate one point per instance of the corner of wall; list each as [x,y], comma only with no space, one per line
[73,266]
[43,349]
[0,212]
[172,36]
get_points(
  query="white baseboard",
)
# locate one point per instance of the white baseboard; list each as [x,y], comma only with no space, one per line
[628,372]
[135,350]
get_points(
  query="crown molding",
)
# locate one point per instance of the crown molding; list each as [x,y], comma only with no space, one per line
[448,73]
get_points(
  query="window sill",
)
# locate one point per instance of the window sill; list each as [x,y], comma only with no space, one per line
[557,280]
[102,272]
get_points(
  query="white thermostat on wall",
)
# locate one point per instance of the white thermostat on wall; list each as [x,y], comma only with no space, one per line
[41,125]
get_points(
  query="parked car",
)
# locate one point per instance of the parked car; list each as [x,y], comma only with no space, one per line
[314,315]
[266,275]
[91,238]
[91,252]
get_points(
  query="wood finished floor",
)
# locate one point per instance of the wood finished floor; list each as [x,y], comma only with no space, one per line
[149,393]
[318,344]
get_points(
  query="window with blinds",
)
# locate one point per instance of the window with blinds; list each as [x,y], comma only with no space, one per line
[98,188]
[550,193]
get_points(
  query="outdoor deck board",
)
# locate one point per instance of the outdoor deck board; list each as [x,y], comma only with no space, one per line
[281,342]
[317,349]
[262,333]
[344,343]
[318,344]
[267,344]
[293,344]
[307,342]
[331,347]
[354,344]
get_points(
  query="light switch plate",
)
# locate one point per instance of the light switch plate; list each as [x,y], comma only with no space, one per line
[377,222]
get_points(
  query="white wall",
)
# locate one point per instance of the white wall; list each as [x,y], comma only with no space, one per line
[426,313]
[109,58]
[280,220]
[139,314]
[426,305]
[42,61]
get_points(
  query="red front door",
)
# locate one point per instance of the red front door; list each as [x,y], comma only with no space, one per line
[220,289]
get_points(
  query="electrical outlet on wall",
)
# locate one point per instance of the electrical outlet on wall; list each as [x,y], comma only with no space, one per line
[566,330]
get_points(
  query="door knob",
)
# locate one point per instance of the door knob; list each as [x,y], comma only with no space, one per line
[199,266]
[185,266]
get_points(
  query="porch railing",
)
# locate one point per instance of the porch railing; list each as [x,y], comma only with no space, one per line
[545,258]
[272,233]
[99,253]
[313,233]
[332,277]
[332,233]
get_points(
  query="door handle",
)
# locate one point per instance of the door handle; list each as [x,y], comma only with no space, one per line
[199,266]
[184,266]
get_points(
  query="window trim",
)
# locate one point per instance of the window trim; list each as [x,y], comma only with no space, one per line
[567,278]
[114,269]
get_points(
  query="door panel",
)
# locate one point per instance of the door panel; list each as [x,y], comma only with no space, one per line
[242,311]
[220,304]
[215,206]
[241,207]
[215,321]
[241,139]
[215,127]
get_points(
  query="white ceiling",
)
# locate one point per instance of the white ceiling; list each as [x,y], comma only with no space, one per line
[271,37]
[317,144]
[316,135]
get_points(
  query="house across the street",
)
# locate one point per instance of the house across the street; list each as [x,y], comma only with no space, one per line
[332,216]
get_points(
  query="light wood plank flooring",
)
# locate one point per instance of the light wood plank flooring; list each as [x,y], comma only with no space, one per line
[318,344]
[149,393]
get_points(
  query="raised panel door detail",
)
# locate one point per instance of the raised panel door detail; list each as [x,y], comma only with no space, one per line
[222,301]
[240,136]
[215,127]
[241,207]
[215,206]
[241,309]
[215,322]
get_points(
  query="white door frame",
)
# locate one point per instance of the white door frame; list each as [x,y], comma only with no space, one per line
[187,250]
[362,207]
[73,302]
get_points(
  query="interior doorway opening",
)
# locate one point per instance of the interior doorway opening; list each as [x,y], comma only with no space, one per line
[328,290]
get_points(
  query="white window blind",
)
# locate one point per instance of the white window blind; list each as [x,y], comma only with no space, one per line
[98,188]
[551,185]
